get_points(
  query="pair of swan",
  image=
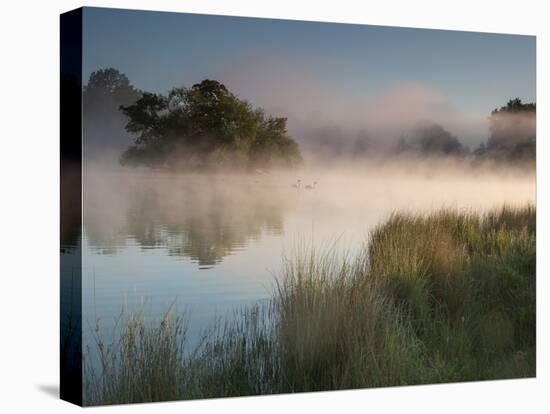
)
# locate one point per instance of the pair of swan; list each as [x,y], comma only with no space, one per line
[307,187]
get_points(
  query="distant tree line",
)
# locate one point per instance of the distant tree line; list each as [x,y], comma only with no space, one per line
[431,139]
[207,127]
[511,140]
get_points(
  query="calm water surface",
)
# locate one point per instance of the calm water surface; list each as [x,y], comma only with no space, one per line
[209,245]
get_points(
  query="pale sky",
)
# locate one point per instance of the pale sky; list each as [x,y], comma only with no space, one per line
[309,70]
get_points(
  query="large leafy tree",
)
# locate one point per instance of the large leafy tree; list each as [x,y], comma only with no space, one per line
[204,127]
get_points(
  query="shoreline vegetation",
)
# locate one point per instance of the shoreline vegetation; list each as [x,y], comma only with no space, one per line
[438,297]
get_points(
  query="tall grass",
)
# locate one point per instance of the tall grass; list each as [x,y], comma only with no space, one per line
[444,296]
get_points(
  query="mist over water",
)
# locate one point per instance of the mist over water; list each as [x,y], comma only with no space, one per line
[211,243]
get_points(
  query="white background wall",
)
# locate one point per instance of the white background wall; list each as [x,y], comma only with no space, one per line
[29,194]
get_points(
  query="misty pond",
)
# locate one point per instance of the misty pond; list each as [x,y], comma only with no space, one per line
[207,245]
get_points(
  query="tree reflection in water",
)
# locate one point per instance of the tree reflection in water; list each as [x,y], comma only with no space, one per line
[197,217]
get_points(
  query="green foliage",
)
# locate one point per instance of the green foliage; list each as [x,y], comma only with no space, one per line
[446,296]
[467,283]
[205,127]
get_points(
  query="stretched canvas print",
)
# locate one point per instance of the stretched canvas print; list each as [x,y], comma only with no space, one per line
[259,206]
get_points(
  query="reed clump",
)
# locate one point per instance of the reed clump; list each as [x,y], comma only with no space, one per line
[436,297]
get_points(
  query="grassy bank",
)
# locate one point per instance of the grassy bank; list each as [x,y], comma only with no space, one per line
[446,296]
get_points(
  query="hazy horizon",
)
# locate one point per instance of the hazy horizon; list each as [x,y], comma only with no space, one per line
[326,76]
